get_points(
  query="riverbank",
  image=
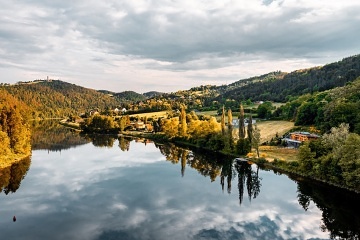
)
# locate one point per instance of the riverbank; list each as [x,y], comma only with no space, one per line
[277,159]
[275,164]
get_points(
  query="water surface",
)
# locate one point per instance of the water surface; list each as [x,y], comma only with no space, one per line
[118,188]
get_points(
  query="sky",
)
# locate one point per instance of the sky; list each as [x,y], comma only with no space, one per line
[170,45]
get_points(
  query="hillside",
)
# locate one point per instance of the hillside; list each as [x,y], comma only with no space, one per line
[279,87]
[152,94]
[125,96]
[56,98]
[129,96]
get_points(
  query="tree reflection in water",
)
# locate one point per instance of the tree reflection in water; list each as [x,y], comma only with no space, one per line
[124,143]
[101,140]
[11,177]
[216,165]
[249,178]
[50,135]
[340,208]
[342,222]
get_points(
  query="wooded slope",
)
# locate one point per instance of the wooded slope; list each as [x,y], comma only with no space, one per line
[59,99]
[281,87]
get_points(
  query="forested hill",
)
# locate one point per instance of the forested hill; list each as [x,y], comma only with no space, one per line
[126,96]
[56,98]
[280,87]
[130,96]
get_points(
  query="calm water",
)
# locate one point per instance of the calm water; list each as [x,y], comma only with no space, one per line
[117,188]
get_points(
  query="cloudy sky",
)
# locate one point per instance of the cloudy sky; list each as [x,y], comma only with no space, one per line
[168,45]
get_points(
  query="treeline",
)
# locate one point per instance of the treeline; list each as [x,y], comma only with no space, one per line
[208,133]
[324,110]
[281,88]
[14,130]
[56,98]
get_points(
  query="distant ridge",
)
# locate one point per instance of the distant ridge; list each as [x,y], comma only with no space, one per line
[279,86]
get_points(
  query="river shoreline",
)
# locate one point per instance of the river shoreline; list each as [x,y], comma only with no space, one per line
[259,161]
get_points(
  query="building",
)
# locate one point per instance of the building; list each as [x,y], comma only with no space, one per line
[295,139]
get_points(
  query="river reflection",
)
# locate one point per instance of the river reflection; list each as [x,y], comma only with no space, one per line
[50,135]
[124,188]
[10,177]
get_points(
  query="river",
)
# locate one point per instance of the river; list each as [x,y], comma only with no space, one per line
[106,188]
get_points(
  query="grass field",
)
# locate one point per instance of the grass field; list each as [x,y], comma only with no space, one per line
[280,153]
[268,129]
[154,115]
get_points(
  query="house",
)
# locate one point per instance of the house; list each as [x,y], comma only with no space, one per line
[139,125]
[295,139]
[303,136]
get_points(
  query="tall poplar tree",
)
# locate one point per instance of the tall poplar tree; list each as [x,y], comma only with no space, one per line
[250,129]
[183,125]
[241,123]
[256,140]
[223,122]
[230,129]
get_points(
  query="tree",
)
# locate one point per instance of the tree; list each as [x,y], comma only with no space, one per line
[336,138]
[306,157]
[122,123]
[241,123]
[17,131]
[255,143]
[229,138]
[264,110]
[223,121]
[4,143]
[243,146]
[306,114]
[350,160]
[250,129]
[183,125]
[171,127]
[99,123]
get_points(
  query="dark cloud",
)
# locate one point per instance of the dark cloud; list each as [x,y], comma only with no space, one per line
[176,36]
